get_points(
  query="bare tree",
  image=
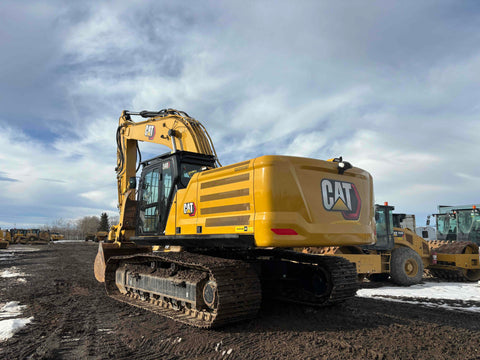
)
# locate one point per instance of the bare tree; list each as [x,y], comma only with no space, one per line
[88,224]
[114,220]
[76,229]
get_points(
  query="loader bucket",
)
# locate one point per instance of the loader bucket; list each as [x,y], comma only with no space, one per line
[107,250]
[4,244]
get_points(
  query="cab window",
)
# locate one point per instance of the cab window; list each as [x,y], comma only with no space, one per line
[149,202]
[187,171]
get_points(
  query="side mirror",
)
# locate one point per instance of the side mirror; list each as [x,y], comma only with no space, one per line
[132,182]
[428,220]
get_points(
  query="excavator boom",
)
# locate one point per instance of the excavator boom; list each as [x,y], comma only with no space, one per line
[172,128]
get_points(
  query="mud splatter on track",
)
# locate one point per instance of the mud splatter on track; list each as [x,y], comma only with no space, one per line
[74,319]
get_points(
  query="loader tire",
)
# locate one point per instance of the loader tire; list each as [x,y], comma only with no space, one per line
[406,267]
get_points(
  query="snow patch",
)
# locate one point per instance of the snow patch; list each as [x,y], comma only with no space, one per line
[69,339]
[105,330]
[450,296]
[16,248]
[11,325]
[11,309]
[9,273]
[67,241]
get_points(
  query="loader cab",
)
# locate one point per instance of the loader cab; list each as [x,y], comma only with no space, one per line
[160,179]
[384,228]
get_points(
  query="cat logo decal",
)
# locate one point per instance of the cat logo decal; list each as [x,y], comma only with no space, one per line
[341,196]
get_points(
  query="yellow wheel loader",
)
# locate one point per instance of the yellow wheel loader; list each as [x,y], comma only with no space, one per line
[227,233]
[402,255]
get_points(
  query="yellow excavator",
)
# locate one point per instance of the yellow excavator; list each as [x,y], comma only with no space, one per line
[227,233]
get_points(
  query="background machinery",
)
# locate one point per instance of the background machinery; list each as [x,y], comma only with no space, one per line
[5,239]
[97,236]
[233,224]
[101,236]
[458,223]
[56,236]
[401,254]
[18,234]
[90,236]
[35,237]
[30,236]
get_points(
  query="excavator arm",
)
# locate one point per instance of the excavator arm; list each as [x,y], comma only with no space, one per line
[172,128]
[169,127]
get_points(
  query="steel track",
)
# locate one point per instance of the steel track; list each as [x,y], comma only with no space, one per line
[238,289]
[238,285]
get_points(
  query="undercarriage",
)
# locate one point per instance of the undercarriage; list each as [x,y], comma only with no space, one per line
[210,291]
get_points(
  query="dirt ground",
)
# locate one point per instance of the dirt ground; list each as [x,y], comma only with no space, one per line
[74,319]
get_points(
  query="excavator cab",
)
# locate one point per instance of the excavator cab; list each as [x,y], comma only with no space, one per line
[161,177]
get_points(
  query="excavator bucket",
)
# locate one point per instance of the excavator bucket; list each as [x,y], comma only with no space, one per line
[107,250]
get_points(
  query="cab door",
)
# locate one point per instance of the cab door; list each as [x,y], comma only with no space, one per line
[148,202]
[165,193]
[155,197]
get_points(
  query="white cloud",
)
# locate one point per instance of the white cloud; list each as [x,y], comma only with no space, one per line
[390,86]
[52,177]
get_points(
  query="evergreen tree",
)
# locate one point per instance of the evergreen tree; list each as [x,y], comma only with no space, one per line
[104,226]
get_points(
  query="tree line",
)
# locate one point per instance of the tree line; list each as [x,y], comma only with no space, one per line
[78,229]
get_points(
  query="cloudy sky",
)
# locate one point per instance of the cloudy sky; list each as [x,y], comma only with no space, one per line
[391,86]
